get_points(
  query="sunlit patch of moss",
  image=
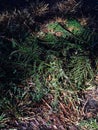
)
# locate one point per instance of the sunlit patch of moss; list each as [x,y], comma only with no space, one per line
[58,30]
[74,26]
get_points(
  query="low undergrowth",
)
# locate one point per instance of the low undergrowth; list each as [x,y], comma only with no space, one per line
[52,65]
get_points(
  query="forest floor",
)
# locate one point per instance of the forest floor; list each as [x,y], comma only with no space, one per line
[78,112]
[81,114]
[69,110]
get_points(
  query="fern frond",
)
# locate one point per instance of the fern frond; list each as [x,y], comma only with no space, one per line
[81,70]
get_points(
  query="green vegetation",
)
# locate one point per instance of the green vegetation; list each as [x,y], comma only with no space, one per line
[34,64]
[89,125]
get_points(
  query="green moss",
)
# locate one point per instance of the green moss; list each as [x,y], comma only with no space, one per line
[74,26]
[56,27]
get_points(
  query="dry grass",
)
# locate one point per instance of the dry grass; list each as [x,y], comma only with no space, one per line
[68,6]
